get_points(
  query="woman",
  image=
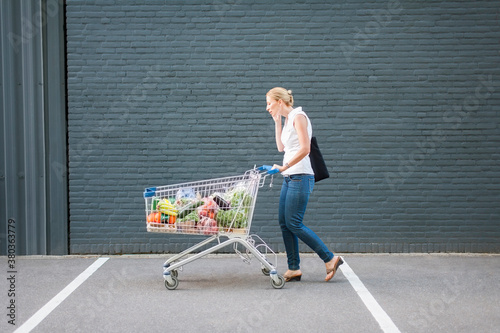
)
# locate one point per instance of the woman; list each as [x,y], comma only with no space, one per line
[294,138]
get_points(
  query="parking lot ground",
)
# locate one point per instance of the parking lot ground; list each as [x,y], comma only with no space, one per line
[220,293]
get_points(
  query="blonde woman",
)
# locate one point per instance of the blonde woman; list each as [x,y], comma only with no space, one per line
[294,138]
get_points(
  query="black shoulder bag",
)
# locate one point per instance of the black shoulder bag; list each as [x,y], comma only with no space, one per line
[317,161]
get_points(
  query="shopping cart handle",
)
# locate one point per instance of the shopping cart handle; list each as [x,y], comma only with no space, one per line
[269,169]
[150,192]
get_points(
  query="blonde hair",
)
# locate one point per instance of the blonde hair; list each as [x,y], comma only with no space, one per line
[278,93]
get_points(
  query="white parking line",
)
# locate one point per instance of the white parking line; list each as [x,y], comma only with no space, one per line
[59,298]
[371,303]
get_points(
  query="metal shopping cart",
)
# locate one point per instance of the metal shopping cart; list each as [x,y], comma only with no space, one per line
[219,208]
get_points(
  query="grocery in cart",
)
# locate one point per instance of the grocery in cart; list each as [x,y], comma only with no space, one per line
[221,209]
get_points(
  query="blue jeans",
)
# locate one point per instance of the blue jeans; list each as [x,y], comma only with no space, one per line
[293,202]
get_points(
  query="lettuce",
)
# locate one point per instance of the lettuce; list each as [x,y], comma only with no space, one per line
[225,218]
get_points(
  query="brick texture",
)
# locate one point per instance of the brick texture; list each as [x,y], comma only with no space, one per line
[404,98]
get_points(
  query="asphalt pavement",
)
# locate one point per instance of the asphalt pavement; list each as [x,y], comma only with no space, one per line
[221,293]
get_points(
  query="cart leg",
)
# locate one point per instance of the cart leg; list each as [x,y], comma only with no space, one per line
[172,267]
[188,251]
[265,263]
[171,282]
[277,281]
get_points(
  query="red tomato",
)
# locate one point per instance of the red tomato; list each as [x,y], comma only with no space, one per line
[154,217]
[151,217]
[157,217]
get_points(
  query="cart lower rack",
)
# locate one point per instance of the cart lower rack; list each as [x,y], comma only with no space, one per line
[221,209]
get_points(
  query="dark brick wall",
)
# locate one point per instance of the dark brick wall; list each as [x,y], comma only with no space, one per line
[403,96]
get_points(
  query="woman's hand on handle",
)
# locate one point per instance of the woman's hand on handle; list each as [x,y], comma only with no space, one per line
[281,168]
[270,169]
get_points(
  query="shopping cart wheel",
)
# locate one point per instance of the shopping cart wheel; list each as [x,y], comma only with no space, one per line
[279,283]
[171,283]
[174,273]
[265,271]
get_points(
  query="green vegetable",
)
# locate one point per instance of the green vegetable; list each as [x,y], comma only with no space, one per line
[189,209]
[239,197]
[193,216]
[154,202]
[232,218]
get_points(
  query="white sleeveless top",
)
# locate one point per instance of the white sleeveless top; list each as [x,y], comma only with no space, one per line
[290,140]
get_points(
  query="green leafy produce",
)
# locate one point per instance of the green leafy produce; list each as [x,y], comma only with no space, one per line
[193,216]
[189,208]
[225,218]
[239,197]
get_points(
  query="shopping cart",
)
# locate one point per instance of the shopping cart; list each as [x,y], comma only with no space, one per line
[220,208]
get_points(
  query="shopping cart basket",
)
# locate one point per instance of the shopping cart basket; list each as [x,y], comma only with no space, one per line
[219,208]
